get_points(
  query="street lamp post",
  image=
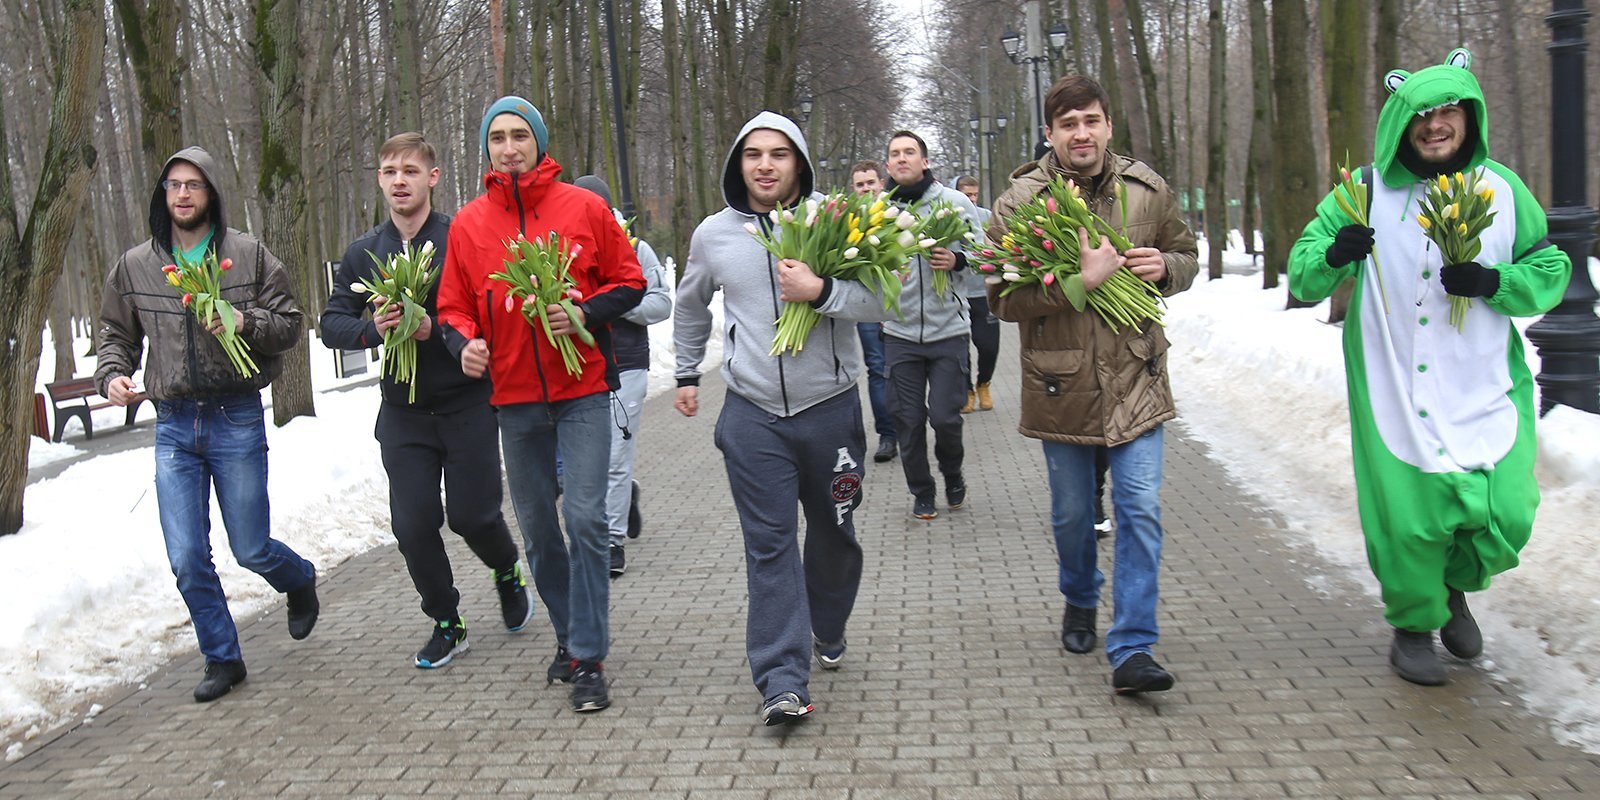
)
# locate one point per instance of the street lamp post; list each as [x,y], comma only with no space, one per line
[1032,53]
[1568,338]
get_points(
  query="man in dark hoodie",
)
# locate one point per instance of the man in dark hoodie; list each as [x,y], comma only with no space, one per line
[210,430]
[448,431]
[790,431]
[539,402]
[926,348]
[630,342]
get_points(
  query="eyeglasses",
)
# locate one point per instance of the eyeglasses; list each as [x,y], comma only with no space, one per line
[192,186]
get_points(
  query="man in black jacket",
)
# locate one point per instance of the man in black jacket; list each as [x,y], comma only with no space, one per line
[449,429]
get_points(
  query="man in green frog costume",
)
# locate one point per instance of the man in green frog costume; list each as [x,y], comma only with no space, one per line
[1442,420]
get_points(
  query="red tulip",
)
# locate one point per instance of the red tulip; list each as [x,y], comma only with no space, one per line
[170,268]
[186,299]
[1049,278]
[227,264]
[1049,245]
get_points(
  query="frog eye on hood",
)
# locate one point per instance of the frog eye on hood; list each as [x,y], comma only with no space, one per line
[1460,57]
[1393,80]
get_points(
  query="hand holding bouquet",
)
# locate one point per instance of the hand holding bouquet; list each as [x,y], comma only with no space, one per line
[1041,247]
[540,273]
[404,278]
[201,285]
[1454,213]
[942,225]
[846,237]
[1351,195]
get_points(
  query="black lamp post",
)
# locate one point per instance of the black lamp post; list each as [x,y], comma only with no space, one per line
[805,108]
[1568,338]
[1018,52]
[626,189]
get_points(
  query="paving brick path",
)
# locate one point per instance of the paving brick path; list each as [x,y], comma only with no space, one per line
[955,684]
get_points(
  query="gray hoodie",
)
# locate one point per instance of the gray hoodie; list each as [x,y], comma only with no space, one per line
[924,315]
[723,255]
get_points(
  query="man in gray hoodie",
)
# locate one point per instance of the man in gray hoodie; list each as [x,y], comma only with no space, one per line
[791,430]
[925,350]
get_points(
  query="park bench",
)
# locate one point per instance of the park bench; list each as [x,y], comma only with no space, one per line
[83,392]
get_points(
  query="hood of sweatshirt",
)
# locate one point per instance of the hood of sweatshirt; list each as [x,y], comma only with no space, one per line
[1412,95]
[161,218]
[734,191]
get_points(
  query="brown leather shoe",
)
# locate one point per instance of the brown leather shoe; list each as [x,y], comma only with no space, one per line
[985,402]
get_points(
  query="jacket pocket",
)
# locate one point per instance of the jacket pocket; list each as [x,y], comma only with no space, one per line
[1051,372]
[1151,351]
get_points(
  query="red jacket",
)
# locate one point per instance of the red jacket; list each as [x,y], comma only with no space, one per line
[523,365]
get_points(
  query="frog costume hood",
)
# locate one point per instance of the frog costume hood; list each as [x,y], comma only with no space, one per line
[1412,95]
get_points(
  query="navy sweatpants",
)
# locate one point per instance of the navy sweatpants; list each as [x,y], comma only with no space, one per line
[813,460]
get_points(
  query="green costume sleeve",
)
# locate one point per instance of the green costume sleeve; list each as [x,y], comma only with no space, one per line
[1536,280]
[1310,277]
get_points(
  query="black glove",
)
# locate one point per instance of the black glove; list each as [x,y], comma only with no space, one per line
[1352,243]
[1470,280]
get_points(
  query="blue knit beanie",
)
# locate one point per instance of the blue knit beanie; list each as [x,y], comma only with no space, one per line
[512,104]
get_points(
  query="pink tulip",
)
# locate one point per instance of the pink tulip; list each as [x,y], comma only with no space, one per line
[511,304]
[170,268]
[227,264]
[1038,231]
[1034,264]
[986,268]
[187,299]
[1049,278]
[988,253]
[1050,204]
[574,295]
[1049,245]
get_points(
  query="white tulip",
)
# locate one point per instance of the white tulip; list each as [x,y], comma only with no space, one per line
[427,247]
[873,238]
[774,215]
[852,252]
[906,239]
[750,228]
[358,287]
[905,221]
[927,244]
[788,216]
[1012,276]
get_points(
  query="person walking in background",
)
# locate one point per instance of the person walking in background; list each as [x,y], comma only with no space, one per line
[1087,386]
[1441,417]
[447,432]
[925,349]
[790,431]
[985,327]
[866,177]
[630,343]
[538,401]
[210,429]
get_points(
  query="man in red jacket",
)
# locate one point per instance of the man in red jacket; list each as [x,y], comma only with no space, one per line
[537,400]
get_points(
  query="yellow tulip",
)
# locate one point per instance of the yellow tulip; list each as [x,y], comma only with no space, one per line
[172,278]
[1462,228]
[1426,223]
[1487,193]
[855,236]
[1444,183]
[1452,211]
[1461,180]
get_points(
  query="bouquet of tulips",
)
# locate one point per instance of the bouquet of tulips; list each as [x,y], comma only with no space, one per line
[942,225]
[405,278]
[1454,213]
[539,272]
[201,285]
[627,227]
[1041,247]
[846,237]
[1351,195]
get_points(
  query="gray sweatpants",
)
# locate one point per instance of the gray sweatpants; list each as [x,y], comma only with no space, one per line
[813,459]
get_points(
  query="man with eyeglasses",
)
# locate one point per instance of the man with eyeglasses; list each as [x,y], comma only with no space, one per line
[210,430]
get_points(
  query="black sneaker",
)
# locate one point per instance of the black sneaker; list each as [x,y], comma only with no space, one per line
[923,509]
[449,639]
[560,668]
[888,448]
[515,608]
[1140,673]
[619,561]
[1412,657]
[829,655]
[221,677]
[303,608]
[1461,635]
[784,709]
[589,691]
[1077,629]
[955,493]
[635,519]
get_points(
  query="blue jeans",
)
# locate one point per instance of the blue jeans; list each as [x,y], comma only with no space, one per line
[871,335]
[1136,504]
[571,575]
[219,441]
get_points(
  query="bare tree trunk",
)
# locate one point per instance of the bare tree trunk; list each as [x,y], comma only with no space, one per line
[706,193]
[408,57]
[497,42]
[31,253]
[1259,179]
[1294,184]
[1121,135]
[778,78]
[1217,141]
[600,95]
[280,56]
[1346,32]
[1160,157]
[678,138]
[150,33]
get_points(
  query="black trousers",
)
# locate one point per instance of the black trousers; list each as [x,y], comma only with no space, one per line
[985,337]
[464,449]
[927,385]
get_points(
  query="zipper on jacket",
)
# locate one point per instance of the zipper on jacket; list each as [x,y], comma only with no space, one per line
[777,311]
[522,219]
